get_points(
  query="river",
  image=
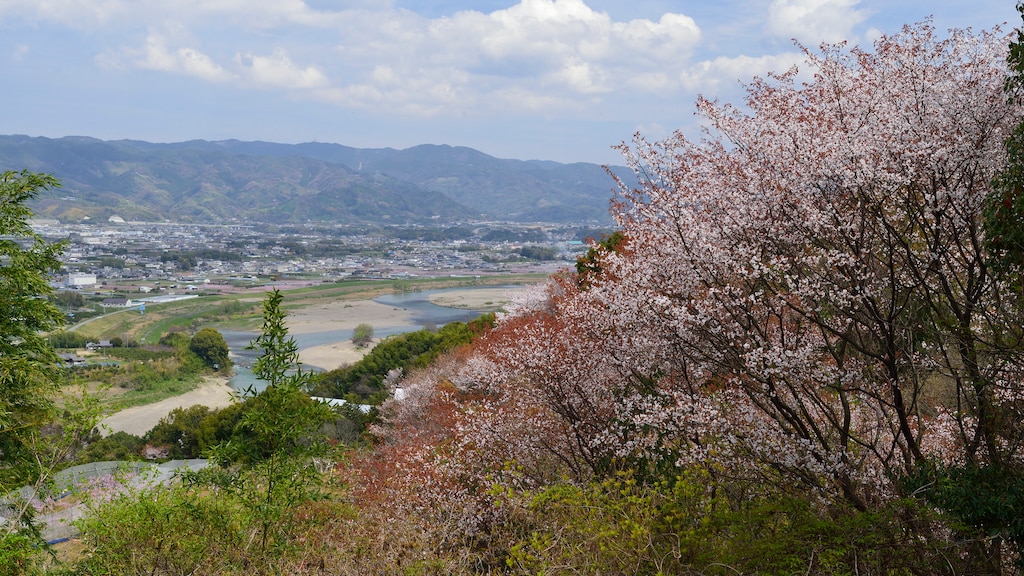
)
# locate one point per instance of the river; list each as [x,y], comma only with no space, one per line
[423,313]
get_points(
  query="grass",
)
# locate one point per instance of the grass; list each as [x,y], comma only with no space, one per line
[115,397]
[126,377]
[156,392]
[159,319]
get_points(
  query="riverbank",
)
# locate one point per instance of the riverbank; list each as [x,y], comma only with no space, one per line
[346,315]
[334,316]
[215,392]
[337,316]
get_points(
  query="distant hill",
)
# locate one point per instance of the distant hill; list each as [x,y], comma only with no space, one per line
[234,181]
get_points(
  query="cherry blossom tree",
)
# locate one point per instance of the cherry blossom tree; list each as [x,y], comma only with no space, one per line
[804,299]
[817,263]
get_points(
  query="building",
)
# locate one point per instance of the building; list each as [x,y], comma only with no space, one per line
[71,359]
[116,303]
[80,279]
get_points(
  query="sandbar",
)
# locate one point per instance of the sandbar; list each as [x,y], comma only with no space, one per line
[345,315]
[484,299]
[333,355]
[342,315]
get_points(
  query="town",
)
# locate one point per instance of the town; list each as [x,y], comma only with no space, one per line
[170,257]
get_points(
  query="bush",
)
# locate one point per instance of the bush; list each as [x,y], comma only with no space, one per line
[140,354]
[162,531]
[179,431]
[538,253]
[182,530]
[175,339]
[362,335]
[219,425]
[619,526]
[209,345]
[117,446]
[68,298]
[64,339]
[19,554]
[694,524]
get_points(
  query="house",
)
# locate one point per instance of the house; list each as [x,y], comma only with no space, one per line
[71,359]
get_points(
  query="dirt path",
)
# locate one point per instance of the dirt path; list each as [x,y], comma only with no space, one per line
[214,393]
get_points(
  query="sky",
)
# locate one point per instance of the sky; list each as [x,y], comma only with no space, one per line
[562,80]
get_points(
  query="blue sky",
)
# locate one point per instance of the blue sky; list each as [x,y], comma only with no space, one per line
[557,80]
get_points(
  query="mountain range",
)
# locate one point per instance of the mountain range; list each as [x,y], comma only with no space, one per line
[234,181]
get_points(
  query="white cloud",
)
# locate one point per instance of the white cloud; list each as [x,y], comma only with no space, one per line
[815,21]
[545,52]
[19,52]
[709,76]
[673,37]
[553,55]
[275,70]
[384,75]
[278,70]
[88,14]
[568,40]
[72,13]
[443,93]
[155,55]
[582,77]
[539,46]
[523,99]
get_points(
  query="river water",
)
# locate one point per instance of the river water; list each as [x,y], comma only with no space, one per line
[423,313]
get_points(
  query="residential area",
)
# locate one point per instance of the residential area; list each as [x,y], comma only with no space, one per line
[188,258]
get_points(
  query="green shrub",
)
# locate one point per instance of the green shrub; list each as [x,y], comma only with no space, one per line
[618,526]
[985,504]
[117,446]
[64,339]
[162,531]
[362,382]
[175,339]
[218,427]
[140,354]
[19,554]
[209,345]
[362,335]
[179,431]
[696,524]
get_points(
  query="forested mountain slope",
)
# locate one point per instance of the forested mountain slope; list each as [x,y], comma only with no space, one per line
[228,181]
